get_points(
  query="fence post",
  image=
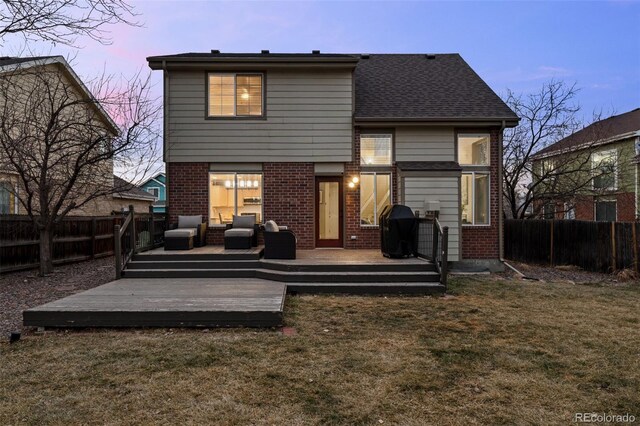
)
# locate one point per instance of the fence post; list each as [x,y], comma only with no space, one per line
[152,228]
[133,229]
[634,225]
[117,252]
[613,247]
[551,243]
[93,237]
[445,256]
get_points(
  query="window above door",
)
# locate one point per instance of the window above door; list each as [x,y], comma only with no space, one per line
[375,150]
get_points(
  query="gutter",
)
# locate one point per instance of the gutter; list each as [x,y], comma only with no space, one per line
[500,196]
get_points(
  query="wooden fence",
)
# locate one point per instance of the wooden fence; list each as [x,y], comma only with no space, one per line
[75,239]
[594,246]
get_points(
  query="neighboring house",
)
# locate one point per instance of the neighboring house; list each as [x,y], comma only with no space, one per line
[323,142]
[21,71]
[156,186]
[127,194]
[611,150]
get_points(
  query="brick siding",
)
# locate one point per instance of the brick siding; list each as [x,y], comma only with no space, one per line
[481,242]
[289,198]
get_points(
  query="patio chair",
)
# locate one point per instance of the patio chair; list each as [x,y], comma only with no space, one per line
[189,232]
[242,233]
[278,243]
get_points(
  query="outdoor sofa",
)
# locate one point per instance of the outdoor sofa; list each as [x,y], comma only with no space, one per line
[189,232]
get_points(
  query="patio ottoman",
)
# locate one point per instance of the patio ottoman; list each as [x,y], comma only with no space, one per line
[238,238]
[179,239]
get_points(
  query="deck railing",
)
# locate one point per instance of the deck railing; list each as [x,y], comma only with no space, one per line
[433,244]
[138,232]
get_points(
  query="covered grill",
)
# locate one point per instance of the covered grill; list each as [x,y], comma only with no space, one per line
[398,231]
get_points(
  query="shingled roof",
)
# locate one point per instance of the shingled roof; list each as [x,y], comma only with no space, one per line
[8,60]
[608,129]
[420,87]
[124,189]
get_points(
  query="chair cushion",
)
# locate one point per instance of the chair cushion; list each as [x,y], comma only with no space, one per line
[244,221]
[238,232]
[180,233]
[271,226]
[189,221]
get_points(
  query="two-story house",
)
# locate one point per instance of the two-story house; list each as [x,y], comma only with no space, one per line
[606,155]
[156,186]
[322,143]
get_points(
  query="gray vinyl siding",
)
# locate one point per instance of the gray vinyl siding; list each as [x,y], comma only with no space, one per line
[424,144]
[444,189]
[308,119]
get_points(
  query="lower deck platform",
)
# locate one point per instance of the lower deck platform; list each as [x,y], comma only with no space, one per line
[182,302]
[212,287]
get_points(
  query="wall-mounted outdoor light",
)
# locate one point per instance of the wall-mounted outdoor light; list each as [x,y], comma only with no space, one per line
[354,181]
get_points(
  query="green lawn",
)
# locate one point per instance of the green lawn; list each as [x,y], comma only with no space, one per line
[498,352]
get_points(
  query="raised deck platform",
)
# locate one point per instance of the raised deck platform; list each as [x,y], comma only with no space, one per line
[186,302]
[212,287]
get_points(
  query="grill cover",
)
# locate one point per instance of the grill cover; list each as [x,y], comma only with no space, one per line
[398,231]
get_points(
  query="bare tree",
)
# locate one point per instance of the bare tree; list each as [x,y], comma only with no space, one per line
[546,117]
[63,21]
[62,143]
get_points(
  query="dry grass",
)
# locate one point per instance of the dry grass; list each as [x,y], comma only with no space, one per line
[498,352]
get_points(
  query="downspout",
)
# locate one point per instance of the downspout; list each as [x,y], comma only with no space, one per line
[501,196]
[165,135]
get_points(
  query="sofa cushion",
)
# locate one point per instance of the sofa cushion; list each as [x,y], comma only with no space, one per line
[247,221]
[180,233]
[271,226]
[239,232]
[189,221]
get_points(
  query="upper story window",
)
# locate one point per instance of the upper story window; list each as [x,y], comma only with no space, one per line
[473,149]
[155,191]
[604,168]
[375,150]
[235,95]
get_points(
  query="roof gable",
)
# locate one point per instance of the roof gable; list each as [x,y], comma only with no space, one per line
[9,64]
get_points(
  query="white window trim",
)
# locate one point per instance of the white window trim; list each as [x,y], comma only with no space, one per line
[472,135]
[154,187]
[366,135]
[235,196]
[235,94]
[613,153]
[14,194]
[473,174]
[595,208]
[375,193]
[567,209]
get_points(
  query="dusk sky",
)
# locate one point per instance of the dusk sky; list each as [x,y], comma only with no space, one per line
[515,45]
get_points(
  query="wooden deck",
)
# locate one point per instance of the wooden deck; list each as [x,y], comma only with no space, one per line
[185,302]
[213,287]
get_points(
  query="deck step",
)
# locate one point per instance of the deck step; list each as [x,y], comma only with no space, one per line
[370,288]
[349,267]
[194,264]
[170,256]
[277,266]
[284,276]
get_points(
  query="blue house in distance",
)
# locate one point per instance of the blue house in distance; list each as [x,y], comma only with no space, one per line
[157,186]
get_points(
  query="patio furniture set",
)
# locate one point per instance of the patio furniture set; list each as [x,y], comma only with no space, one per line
[242,233]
